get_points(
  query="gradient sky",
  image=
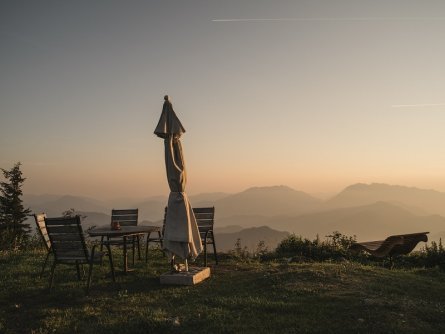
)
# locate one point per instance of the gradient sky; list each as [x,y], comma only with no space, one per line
[312,94]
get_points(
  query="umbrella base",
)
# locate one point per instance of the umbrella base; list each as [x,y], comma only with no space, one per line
[194,276]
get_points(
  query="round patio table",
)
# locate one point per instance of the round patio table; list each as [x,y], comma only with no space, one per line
[125,232]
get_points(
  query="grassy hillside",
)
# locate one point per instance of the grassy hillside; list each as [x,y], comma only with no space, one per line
[243,297]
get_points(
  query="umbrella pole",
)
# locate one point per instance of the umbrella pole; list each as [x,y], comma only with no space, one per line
[172,263]
[174,267]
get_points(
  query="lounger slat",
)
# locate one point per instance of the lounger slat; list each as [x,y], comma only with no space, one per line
[393,245]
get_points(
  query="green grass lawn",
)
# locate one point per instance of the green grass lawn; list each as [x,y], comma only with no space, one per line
[239,298]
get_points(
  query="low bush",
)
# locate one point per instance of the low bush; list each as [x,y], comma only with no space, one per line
[430,256]
[335,247]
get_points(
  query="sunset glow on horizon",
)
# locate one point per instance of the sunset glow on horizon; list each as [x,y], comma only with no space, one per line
[325,95]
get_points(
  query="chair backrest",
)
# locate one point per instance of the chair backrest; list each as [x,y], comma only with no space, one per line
[41,227]
[67,239]
[127,217]
[205,218]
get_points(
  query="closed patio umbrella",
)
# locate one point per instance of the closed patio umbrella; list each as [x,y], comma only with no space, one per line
[181,234]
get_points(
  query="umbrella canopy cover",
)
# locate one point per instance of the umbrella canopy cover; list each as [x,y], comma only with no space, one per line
[169,124]
[181,234]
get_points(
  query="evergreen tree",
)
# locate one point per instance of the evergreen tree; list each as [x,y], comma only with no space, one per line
[13,229]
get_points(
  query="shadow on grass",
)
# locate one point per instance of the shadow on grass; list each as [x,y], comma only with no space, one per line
[239,297]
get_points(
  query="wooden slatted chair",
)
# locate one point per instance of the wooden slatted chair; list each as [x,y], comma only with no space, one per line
[69,247]
[393,245]
[41,228]
[125,217]
[205,218]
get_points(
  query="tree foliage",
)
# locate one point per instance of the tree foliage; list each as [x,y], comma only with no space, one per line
[13,229]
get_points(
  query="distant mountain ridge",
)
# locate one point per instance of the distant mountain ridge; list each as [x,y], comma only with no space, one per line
[54,205]
[428,201]
[267,201]
[366,210]
[368,222]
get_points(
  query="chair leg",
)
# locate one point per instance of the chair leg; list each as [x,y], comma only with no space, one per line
[44,263]
[161,242]
[110,258]
[138,238]
[90,272]
[160,239]
[133,242]
[125,255]
[146,247]
[102,247]
[51,278]
[214,250]
[205,253]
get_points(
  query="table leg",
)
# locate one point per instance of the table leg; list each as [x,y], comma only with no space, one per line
[133,249]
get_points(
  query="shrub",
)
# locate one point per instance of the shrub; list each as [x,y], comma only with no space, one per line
[431,256]
[239,252]
[335,247]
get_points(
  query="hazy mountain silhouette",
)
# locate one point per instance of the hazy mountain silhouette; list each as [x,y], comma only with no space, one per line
[94,219]
[151,209]
[206,199]
[249,238]
[374,221]
[228,229]
[58,204]
[419,201]
[367,211]
[243,220]
[36,200]
[267,201]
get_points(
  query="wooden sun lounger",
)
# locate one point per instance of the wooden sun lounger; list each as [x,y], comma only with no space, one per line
[393,245]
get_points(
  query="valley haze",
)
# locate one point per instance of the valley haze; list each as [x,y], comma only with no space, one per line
[367,211]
